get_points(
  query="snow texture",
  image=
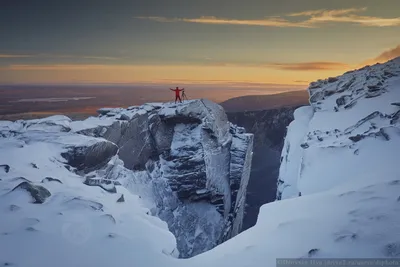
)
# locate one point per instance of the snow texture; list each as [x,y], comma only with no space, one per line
[346,172]
[175,158]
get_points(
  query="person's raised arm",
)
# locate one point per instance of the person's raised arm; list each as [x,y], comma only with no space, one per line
[171,89]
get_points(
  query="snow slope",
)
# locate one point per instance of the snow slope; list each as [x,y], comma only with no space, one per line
[77,225]
[175,160]
[339,185]
[345,170]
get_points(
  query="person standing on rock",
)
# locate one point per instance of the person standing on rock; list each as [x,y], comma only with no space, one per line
[177,93]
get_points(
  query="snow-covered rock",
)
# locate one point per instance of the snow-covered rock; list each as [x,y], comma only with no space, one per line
[188,165]
[351,117]
[348,208]
[269,129]
[339,184]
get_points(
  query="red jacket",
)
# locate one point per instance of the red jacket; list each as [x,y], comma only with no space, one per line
[177,90]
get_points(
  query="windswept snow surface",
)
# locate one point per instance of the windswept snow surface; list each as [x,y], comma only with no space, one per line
[346,171]
[78,225]
[66,192]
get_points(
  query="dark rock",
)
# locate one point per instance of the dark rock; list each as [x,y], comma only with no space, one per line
[395,117]
[31,229]
[398,199]
[68,167]
[389,74]
[136,145]
[332,79]
[305,145]
[103,111]
[38,193]
[383,134]
[89,158]
[356,138]
[106,185]
[364,120]
[343,100]
[392,249]
[50,179]
[374,88]
[346,86]
[350,105]
[124,117]
[314,85]
[200,127]
[269,129]
[312,252]
[396,104]
[121,198]
[112,235]
[34,166]
[5,168]
[317,96]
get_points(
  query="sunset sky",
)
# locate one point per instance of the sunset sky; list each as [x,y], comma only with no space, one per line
[232,43]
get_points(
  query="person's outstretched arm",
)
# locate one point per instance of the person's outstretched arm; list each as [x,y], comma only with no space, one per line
[171,89]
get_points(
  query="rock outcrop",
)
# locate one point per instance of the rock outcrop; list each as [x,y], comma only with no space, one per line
[269,129]
[187,162]
[194,162]
[351,117]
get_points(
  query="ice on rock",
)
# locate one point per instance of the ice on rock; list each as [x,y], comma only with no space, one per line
[180,163]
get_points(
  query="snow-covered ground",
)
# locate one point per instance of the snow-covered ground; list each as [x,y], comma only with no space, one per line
[78,225]
[344,166]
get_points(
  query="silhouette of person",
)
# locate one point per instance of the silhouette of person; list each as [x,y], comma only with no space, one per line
[177,93]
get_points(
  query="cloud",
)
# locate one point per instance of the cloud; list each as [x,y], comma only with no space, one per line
[100,58]
[57,67]
[57,56]
[14,56]
[314,20]
[301,81]
[334,12]
[306,66]
[269,22]
[388,54]
[302,66]
[382,57]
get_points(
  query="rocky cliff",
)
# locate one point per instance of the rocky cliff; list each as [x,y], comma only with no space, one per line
[351,117]
[269,129]
[187,163]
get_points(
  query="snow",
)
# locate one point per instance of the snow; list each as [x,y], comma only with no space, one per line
[65,230]
[292,153]
[90,123]
[349,205]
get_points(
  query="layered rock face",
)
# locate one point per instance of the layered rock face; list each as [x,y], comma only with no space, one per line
[269,129]
[187,162]
[194,164]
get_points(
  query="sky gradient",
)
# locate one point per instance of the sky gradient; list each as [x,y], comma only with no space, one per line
[232,43]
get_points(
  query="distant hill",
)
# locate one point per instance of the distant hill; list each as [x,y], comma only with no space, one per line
[264,102]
